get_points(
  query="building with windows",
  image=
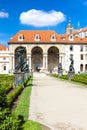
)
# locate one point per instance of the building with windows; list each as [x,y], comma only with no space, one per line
[45,49]
[4,60]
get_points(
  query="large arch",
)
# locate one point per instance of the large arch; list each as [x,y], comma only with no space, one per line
[53,58]
[37,58]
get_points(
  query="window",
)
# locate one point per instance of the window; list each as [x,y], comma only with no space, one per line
[85,56]
[86,67]
[86,48]
[53,38]
[81,48]
[21,37]
[71,37]
[4,58]
[71,56]
[81,67]
[71,48]
[4,67]
[37,37]
[81,56]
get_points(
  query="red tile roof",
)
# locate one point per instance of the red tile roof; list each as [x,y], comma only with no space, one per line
[45,37]
[80,30]
[2,47]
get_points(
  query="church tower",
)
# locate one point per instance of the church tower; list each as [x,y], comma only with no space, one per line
[69,27]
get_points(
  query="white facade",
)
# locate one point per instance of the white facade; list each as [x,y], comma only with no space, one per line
[46,55]
[78,61]
[4,62]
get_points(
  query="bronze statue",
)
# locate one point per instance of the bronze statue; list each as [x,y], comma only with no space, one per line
[71,68]
[60,70]
[22,64]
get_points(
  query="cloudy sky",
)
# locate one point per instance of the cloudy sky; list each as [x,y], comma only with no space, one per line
[18,15]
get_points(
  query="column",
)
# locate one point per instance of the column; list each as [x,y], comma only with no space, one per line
[10,64]
[45,61]
[13,62]
[44,64]
[29,58]
[60,58]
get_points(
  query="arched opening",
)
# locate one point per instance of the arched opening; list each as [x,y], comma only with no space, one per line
[86,67]
[37,58]
[53,58]
[20,56]
[81,67]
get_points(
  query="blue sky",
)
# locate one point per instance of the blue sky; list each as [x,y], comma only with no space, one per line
[18,15]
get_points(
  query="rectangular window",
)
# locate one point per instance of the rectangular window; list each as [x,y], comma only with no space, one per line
[71,48]
[4,58]
[86,48]
[81,48]
[71,56]
[81,56]
[4,67]
[86,57]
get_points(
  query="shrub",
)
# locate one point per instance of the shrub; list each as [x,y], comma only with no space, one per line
[64,77]
[10,121]
[14,95]
[82,78]
[3,98]
[55,75]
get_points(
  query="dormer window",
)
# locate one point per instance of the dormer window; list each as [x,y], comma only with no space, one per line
[53,38]
[37,37]
[21,37]
[71,37]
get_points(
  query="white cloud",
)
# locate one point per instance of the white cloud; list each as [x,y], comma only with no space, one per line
[4,14]
[39,18]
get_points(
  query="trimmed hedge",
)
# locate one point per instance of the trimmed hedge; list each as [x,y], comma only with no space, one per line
[81,78]
[10,121]
[14,95]
[6,82]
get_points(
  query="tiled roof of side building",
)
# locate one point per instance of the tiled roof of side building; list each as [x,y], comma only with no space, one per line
[79,30]
[45,37]
[2,47]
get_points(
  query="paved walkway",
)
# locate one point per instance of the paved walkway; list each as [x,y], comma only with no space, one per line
[58,104]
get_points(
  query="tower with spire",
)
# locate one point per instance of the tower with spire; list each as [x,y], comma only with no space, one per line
[69,27]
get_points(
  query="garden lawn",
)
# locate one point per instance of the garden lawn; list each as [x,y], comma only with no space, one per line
[23,108]
[31,125]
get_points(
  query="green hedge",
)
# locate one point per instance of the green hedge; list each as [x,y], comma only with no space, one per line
[9,121]
[6,82]
[81,78]
[14,95]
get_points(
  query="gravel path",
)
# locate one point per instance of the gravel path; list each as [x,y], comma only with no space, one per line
[58,104]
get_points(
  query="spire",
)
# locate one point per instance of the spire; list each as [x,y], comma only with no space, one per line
[69,23]
[78,25]
[69,27]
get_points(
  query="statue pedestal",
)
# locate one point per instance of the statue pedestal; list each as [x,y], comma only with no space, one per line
[71,75]
[19,78]
[60,74]
[26,75]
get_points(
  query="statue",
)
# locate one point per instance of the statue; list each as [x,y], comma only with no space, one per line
[60,70]
[71,72]
[71,68]
[25,66]
[22,64]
